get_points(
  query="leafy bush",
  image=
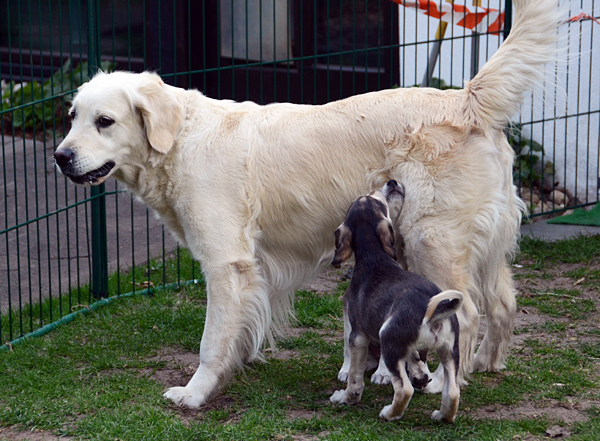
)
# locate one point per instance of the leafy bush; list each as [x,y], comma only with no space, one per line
[44,98]
[526,168]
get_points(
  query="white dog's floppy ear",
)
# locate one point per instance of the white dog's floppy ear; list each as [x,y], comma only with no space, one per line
[343,245]
[385,232]
[161,111]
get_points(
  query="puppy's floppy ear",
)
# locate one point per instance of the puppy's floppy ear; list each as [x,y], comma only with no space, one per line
[385,232]
[343,245]
[161,111]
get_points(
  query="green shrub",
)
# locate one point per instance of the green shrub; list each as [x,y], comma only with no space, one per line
[36,103]
[526,168]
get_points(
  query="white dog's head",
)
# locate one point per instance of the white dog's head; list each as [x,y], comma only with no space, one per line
[116,118]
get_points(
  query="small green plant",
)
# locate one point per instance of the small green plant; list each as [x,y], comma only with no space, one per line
[526,168]
[44,98]
[438,83]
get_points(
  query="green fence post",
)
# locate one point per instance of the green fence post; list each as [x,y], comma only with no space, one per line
[99,239]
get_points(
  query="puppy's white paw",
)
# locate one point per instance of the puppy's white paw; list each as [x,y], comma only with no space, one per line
[386,414]
[182,396]
[437,415]
[339,397]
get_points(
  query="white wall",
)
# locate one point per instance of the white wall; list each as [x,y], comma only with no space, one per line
[570,141]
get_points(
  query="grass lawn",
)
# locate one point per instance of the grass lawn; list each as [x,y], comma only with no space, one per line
[103,375]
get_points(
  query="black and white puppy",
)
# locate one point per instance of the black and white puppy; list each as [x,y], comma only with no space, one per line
[404,313]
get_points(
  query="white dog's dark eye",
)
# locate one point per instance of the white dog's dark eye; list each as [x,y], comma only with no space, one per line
[104,121]
[73,114]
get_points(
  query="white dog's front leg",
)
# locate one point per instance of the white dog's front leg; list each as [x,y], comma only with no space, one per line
[237,318]
[203,385]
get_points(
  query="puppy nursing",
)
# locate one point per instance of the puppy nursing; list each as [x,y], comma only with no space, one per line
[404,313]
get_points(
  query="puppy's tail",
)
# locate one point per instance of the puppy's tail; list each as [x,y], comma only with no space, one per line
[439,309]
[496,92]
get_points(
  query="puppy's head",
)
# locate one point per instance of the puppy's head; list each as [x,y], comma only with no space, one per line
[116,119]
[417,370]
[367,216]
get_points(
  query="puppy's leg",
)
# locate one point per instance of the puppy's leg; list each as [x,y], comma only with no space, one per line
[451,390]
[403,392]
[500,307]
[343,373]
[382,375]
[359,349]
[237,318]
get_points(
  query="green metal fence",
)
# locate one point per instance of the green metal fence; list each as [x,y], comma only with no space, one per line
[62,247]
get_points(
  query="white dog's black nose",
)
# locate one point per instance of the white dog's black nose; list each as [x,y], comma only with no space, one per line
[392,183]
[63,157]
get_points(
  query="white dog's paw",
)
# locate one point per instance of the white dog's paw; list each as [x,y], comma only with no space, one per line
[436,384]
[382,379]
[382,375]
[439,416]
[386,414]
[339,397]
[484,363]
[343,373]
[182,396]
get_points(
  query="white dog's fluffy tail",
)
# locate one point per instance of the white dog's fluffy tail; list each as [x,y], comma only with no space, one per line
[496,92]
[436,312]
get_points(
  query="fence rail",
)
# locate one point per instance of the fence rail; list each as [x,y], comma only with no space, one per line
[63,246]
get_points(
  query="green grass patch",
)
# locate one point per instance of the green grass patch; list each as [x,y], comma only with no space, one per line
[96,378]
[543,254]
[157,272]
[559,303]
[91,379]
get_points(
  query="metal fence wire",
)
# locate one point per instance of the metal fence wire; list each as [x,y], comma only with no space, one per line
[62,247]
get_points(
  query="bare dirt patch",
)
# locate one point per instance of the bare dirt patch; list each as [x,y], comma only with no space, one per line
[569,412]
[301,414]
[179,368]
[11,434]
[282,355]
[303,437]
[327,280]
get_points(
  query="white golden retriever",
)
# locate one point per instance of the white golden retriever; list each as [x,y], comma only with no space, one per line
[256,192]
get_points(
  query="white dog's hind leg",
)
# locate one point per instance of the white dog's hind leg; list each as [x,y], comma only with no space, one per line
[237,318]
[468,321]
[500,307]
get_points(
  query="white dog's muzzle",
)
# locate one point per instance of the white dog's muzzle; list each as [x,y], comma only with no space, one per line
[66,160]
